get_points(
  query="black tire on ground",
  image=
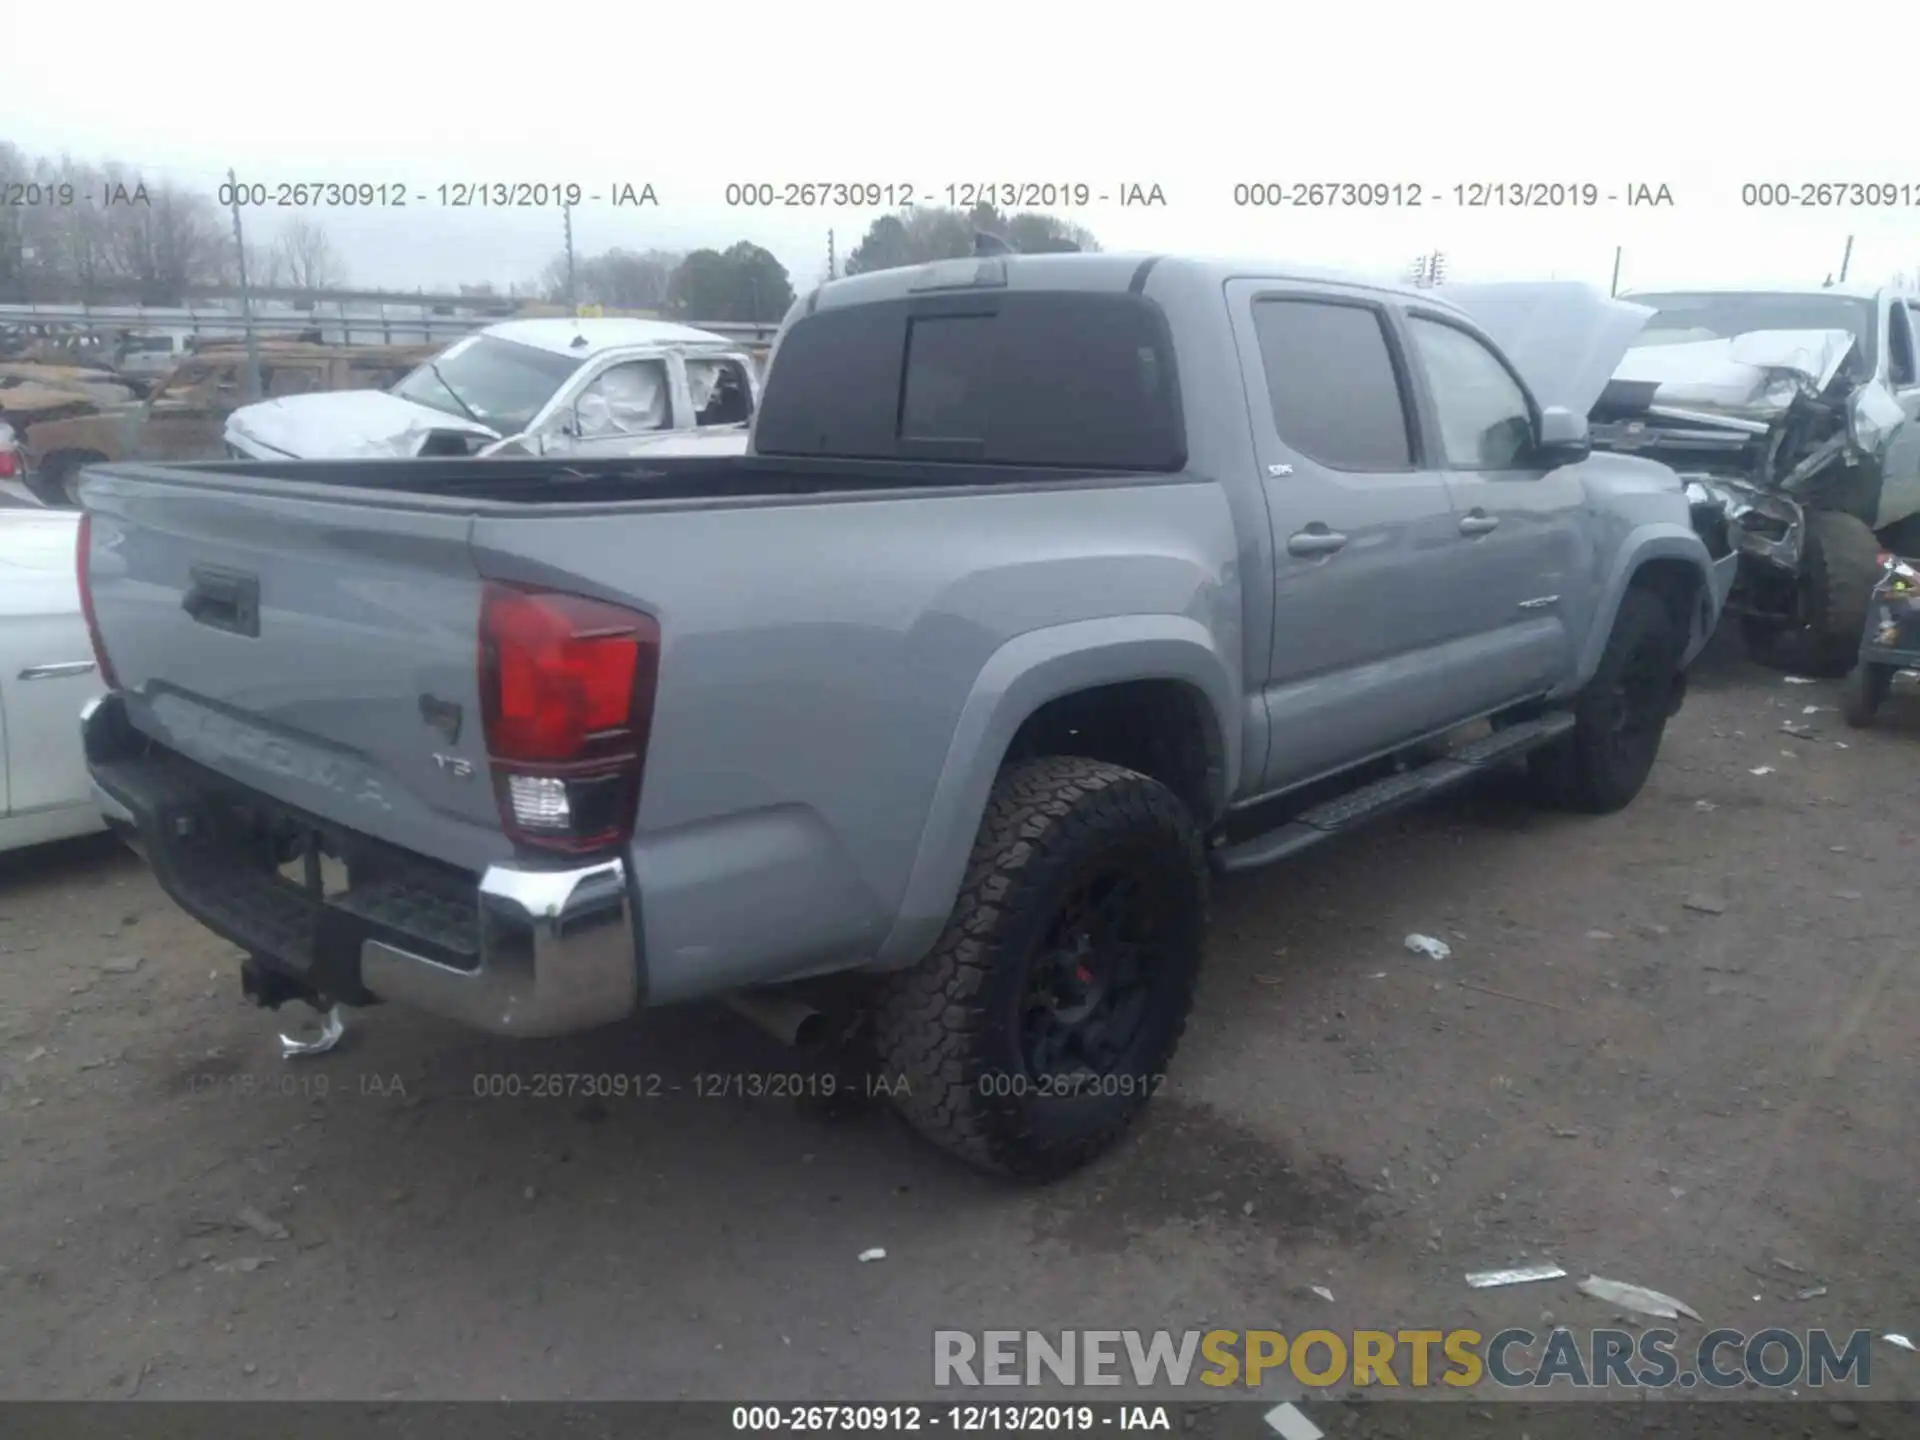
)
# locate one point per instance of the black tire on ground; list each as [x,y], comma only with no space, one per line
[1864,693]
[1620,716]
[1841,562]
[1037,1028]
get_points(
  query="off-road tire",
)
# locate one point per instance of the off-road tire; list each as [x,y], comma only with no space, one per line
[1598,769]
[1841,561]
[947,1031]
[1864,693]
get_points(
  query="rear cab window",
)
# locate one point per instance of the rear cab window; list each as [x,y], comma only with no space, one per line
[1080,380]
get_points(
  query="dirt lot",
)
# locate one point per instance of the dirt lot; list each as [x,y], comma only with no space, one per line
[1600,1075]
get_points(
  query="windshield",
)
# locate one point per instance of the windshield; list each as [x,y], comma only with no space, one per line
[1680,319]
[503,383]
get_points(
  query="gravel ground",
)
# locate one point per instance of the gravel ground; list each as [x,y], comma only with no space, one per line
[1675,1047]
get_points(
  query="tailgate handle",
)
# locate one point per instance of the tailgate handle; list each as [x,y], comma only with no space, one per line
[224,599]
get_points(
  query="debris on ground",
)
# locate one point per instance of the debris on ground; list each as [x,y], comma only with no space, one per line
[1846,895]
[1600,935]
[1523,1275]
[1812,1292]
[1291,1423]
[1636,1297]
[332,1027]
[1705,904]
[1428,946]
[1902,1341]
[1761,770]
[1705,807]
[260,1224]
[1798,731]
[867,1256]
[124,965]
[244,1266]
[1322,1291]
[1797,680]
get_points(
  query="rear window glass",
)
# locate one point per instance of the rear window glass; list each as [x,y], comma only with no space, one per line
[1041,378]
[1331,381]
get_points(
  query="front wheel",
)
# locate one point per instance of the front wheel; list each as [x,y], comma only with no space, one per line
[1864,693]
[1042,1021]
[1621,715]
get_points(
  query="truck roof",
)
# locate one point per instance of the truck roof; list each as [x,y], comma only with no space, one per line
[1107,271]
[559,333]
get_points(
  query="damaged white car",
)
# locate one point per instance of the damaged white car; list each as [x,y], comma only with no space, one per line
[582,388]
[1795,418]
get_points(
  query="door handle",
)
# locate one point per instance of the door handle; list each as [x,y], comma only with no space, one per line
[1478,523]
[1316,539]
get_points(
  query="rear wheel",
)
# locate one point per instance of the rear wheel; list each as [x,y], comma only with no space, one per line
[1864,693]
[1620,717]
[1042,1021]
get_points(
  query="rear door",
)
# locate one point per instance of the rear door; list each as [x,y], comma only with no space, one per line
[1363,528]
[1523,562]
[321,650]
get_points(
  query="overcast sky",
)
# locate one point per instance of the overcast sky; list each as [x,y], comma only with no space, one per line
[1194,98]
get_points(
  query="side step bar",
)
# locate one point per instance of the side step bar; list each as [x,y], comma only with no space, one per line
[1396,792]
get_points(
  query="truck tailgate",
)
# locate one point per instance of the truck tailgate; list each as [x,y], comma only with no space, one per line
[320,650]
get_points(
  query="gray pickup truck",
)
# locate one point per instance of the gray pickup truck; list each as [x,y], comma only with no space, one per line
[1049,584]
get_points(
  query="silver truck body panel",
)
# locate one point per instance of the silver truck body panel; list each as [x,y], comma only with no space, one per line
[841,674]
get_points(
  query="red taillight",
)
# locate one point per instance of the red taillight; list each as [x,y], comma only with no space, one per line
[566,688]
[83,565]
[11,466]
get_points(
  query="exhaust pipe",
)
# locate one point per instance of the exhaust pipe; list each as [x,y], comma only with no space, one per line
[791,1021]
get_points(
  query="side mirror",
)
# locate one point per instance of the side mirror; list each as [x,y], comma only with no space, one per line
[1564,438]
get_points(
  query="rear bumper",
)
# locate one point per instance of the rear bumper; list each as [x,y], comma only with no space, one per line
[517,950]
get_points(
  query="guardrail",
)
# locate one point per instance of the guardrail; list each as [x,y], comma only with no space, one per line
[352,328]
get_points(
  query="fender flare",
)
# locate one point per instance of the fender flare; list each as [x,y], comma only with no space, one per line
[1017,679]
[1661,540]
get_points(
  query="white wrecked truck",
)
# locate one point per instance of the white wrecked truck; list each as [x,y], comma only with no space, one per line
[586,388]
[1795,418]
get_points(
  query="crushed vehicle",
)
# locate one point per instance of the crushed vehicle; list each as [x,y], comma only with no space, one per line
[182,417]
[582,387]
[1795,416]
[1073,578]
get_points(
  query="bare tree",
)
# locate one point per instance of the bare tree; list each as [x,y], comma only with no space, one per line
[307,255]
[266,267]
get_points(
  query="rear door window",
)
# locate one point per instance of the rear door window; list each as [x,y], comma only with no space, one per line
[1331,380]
[1073,379]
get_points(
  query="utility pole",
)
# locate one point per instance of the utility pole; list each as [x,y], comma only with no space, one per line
[1614,288]
[573,295]
[832,272]
[252,388]
[1846,259]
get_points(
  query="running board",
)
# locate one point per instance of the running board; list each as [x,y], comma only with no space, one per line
[1396,792]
